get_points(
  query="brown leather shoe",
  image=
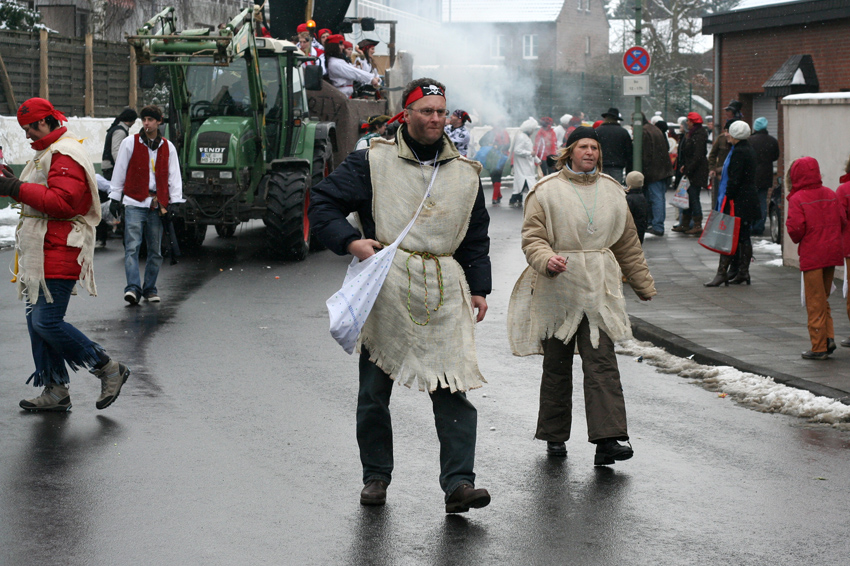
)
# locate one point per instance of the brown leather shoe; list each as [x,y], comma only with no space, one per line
[466,496]
[374,493]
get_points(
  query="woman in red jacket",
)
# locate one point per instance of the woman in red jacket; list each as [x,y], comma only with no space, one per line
[54,242]
[815,221]
[843,192]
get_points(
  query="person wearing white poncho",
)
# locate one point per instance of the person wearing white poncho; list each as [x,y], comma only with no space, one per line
[524,161]
[579,240]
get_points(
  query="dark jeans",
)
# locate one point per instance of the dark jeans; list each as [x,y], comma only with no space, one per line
[54,341]
[604,404]
[454,416]
[693,200]
[758,226]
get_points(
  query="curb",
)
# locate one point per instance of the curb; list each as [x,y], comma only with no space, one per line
[683,348]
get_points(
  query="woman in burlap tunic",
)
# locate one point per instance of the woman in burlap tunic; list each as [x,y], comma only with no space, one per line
[579,239]
[421,328]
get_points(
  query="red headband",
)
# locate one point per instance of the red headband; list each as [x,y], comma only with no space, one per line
[35,109]
[416,94]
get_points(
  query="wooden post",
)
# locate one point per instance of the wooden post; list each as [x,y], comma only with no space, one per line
[132,99]
[7,87]
[89,71]
[43,90]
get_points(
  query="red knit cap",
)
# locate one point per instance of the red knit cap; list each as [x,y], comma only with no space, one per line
[695,117]
[301,27]
[334,39]
[35,109]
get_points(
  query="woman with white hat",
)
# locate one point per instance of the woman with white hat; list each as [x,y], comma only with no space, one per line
[737,188]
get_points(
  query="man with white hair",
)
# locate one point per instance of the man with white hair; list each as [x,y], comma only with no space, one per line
[525,162]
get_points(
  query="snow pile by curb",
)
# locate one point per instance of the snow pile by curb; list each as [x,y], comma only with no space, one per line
[761,393]
[8,220]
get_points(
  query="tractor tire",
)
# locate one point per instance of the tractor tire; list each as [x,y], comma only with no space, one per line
[323,164]
[225,230]
[287,225]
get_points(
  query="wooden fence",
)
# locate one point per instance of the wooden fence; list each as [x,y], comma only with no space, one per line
[80,76]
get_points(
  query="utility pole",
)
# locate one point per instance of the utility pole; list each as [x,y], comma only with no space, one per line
[637,122]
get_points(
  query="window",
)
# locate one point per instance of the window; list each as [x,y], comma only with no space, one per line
[584,4]
[499,47]
[529,46]
[587,45]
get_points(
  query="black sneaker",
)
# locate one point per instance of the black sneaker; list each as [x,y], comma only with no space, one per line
[809,355]
[131,297]
[830,345]
[556,449]
[609,450]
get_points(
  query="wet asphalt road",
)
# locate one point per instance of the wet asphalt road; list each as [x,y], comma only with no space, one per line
[233,443]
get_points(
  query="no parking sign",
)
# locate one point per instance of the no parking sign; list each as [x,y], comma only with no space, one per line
[636,60]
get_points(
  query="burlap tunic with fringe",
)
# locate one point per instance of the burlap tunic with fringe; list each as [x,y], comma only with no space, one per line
[543,306]
[439,347]
[32,227]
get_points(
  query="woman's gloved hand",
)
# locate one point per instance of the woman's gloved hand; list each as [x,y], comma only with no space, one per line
[10,185]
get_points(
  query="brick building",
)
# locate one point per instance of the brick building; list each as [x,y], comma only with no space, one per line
[767,52]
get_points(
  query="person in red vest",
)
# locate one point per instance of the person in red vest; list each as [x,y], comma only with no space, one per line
[54,250]
[147,176]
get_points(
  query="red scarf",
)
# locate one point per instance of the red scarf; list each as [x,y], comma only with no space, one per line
[49,139]
[137,184]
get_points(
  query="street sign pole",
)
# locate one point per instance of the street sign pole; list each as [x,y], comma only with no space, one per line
[637,122]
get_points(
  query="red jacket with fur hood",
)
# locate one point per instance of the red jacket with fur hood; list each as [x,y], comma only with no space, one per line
[816,217]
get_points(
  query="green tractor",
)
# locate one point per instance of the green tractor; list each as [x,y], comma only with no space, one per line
[240,122]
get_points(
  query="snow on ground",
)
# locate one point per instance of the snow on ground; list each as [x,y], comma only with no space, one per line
[8,221]
[756,391]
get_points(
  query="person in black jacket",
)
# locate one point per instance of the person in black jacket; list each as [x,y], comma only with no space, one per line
[737,186]
[766,148]
[693,164]
[393,345]
[616,145]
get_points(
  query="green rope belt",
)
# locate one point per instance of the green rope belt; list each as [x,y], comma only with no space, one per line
[424,256]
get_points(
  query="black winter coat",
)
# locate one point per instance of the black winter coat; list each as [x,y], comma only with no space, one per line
[741,187]
[692,156]
[656,155]
[766,148]
[349,189]
[616,145]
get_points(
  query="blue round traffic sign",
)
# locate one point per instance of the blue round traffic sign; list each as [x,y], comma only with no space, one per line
[636,60]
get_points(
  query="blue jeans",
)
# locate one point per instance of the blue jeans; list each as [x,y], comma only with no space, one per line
[142,223]
[454,416]
[54,341]
[655,193]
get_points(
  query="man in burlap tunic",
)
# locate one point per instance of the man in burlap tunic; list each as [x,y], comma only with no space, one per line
[580,240]
[54,249]
[421,329]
